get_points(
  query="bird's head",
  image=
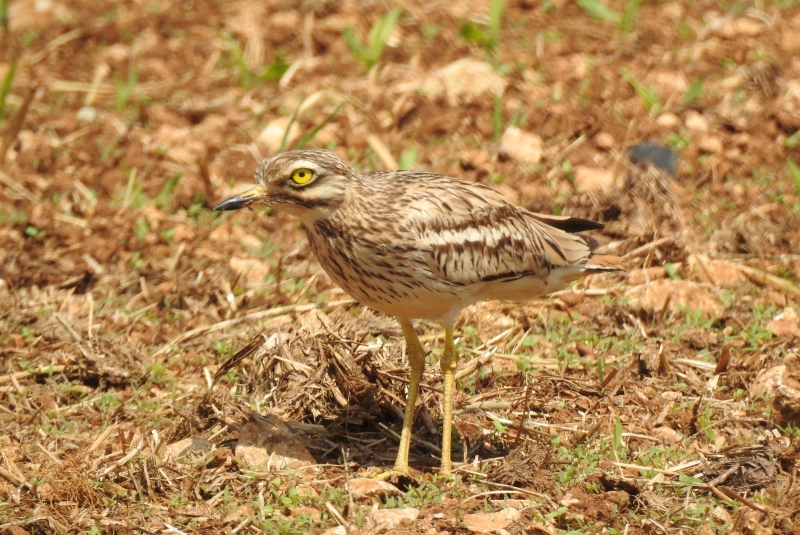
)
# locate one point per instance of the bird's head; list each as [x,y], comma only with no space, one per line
[309,184]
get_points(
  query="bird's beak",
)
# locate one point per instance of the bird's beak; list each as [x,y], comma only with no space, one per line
[243,199]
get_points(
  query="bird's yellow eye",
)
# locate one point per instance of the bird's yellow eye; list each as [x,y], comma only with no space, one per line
[302,176]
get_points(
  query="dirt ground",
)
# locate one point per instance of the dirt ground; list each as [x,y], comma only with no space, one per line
[141,333]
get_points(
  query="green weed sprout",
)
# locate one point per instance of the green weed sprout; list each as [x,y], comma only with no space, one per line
[646,93]
[5,86]
[488,38]
[794,174]
[369,53]
[598,10]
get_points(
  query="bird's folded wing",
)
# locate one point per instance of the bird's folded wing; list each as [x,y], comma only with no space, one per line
[471,234]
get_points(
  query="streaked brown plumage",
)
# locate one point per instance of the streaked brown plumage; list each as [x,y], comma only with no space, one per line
[422,246]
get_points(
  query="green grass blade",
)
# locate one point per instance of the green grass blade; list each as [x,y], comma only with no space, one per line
[369,53]
[380,33]
[164,198]
[598,10]
[310,135]
[4,13]
[407,159]
[495,20]
[629,16]
[618,436]
[285,139]
[5,88]
[275,70]
[497,119]
[123,88]
[647,94]
[794,174]
[237,54]
[694,91]
[472,33]
[354,44]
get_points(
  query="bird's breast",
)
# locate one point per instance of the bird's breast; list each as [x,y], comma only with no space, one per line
[391,276]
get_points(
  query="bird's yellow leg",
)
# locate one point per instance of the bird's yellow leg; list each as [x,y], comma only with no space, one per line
[448,364]
[416,360]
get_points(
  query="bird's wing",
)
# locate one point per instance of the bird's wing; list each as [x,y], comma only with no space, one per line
[471,234]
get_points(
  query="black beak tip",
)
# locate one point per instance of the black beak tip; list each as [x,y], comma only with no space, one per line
[234,203]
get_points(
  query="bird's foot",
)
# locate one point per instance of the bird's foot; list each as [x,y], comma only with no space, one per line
[387,474]
[395,476]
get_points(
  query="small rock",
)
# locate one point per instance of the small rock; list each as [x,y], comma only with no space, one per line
[667,82]
[695,121]
[491,522]
[711,144]
[306,491]
[771,297]
[521,146]
[387,520]
[790,42]
[746,27]
[673,11]
[643,276]
[251,268]
[338,530]
[604,141]
[668,120]
[720,515]
[729,27]
[569,500]
[667,434]
[186,448]
[311,512]
[464,79]
[678,295]
[705,530]
[767,382]
[655,154]
[732,82]
[780,384]
[88,114]
[717,272]
[116,52]
[264,444]
[363,488]
[593,179]
[786,324]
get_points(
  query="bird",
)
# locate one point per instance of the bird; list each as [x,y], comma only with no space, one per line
[421,246]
